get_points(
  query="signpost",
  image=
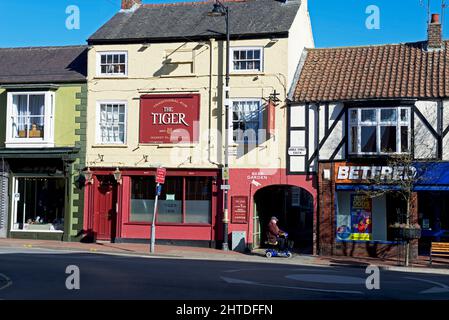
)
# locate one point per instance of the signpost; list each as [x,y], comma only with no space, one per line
[160,180]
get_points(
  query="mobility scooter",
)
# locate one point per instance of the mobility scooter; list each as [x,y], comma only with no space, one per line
[274,250]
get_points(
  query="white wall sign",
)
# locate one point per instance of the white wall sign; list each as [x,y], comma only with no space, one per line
[297,151]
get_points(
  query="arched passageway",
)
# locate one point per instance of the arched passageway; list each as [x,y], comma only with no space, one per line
[293,206]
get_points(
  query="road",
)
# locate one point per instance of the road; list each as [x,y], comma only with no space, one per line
[41,274]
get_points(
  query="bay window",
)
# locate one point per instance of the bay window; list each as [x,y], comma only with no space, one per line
[30,119]
[183,200]
[379,130]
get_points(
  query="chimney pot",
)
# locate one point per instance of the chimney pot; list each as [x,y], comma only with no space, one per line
[435,18]
[128,4]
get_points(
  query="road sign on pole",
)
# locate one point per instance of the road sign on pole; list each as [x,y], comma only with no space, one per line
[160,180]
[160,175]
[225,173]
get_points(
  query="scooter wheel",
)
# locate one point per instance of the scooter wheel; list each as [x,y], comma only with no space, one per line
[289,255]
[268,254]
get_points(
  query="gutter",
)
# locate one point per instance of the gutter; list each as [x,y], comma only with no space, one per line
[43,85]
[216,36]
[49,86]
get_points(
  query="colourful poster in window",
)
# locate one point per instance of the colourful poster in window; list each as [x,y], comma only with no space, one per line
[361,217]
[344,227]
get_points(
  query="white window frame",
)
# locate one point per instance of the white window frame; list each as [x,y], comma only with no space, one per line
[14,204]
[98,139]
[109,75]
[48,140]
[231,119]
[233,49]
[378,124]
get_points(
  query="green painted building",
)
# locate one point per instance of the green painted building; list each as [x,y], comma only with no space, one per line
[43,100]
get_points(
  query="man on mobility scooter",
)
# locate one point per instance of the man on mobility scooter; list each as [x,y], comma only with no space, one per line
[278,244]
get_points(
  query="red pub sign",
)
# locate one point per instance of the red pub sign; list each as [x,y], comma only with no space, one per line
[166,119]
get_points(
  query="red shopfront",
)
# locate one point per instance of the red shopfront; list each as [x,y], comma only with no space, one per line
[122,212]
[258,194]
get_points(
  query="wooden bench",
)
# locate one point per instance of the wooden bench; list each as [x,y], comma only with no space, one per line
[439,249]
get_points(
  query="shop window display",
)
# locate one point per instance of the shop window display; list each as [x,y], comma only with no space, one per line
[361,217]
[39,204]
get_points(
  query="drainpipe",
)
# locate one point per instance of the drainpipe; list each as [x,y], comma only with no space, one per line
[211,85]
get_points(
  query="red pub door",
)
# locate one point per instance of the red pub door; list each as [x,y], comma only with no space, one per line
[105,212]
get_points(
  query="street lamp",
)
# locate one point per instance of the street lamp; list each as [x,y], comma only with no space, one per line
[88,176]
[220,10]
[118,176]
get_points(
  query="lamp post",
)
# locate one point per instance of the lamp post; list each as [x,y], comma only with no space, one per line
[220,10]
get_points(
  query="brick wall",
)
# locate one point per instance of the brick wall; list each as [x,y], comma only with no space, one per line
[326,191]
[435,36]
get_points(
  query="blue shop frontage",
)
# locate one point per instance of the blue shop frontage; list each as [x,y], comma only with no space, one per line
[363,201]
[432,188]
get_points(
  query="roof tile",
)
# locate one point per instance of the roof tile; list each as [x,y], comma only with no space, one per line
[375,72]
[43,65]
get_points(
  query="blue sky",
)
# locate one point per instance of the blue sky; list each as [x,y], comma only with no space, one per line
[335,22]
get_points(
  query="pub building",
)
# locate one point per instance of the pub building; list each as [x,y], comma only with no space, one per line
[157,99]
[374,118]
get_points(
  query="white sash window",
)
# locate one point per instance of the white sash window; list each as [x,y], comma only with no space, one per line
[111,125]
[247,117]
[112,64]
[30,119]
[247,59]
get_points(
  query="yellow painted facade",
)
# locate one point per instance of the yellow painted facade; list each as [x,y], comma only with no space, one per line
[195,67]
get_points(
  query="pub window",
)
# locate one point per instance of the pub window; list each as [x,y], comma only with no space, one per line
[183,200]
[247,59]
[198,200]
[170,206]
[379,130]
[112,64]
[246,120]
[111,123]
[142,199]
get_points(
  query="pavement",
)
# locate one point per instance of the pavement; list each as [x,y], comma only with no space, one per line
[440,266]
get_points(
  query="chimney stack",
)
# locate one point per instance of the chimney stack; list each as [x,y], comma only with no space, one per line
[435,40]
[129,4]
